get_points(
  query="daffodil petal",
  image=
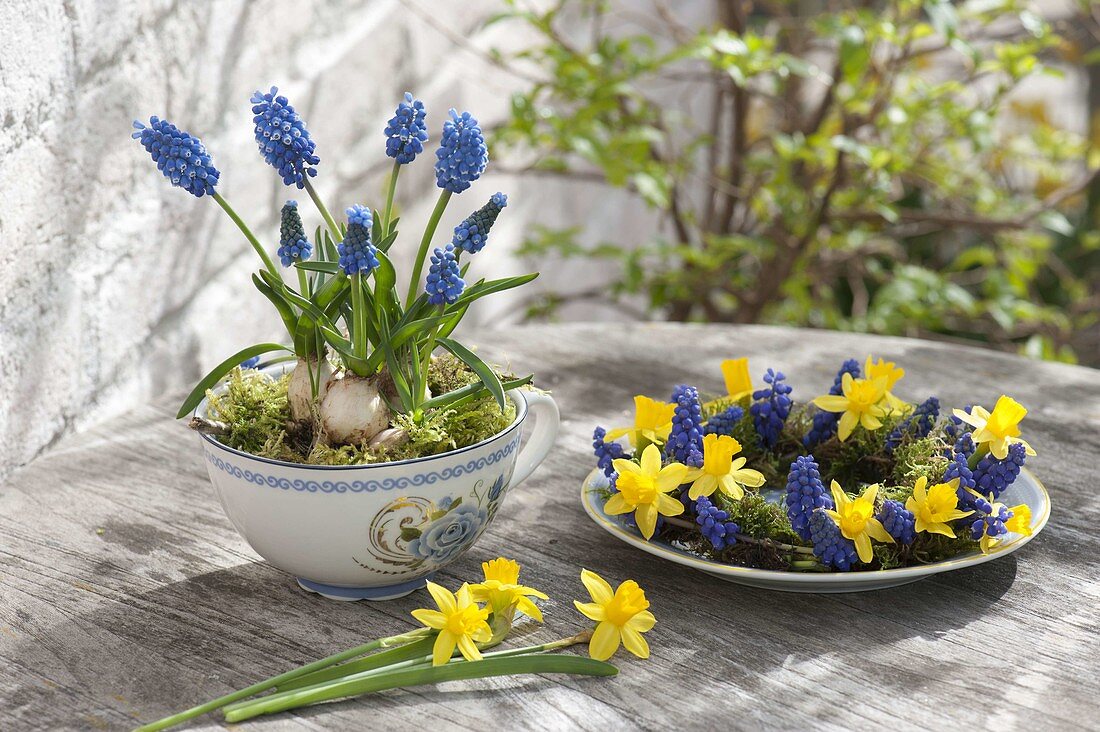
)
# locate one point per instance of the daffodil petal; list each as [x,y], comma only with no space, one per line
[430,618]
[597,587]
[646,518]
[704,485]
[591,610]
[605,641]
[863,548]
[469,650]
[443,648]
[623,465]
[443,597]
[878,532]
[616,505]
[847,423]
[634,642]
[730,487]
[748,476]
[669,506]
[831,403]
[529,609]
[651,460]
[642,621]
[671,476]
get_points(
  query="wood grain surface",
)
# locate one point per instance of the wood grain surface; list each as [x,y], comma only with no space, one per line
[127,595]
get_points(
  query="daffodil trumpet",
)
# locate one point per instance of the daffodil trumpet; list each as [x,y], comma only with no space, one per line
[703,474]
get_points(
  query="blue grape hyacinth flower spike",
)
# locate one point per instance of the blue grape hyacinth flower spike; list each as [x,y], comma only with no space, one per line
[282,137]
[179,155]
[462,155]
[406,132]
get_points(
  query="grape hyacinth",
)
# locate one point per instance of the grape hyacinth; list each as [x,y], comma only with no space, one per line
[992,476]
[181,157]
[357,253]
[825,423]
[965,445]
[605,451]
[715,525]
[462,155]
[917,425]
[898,521]
[406,132]
[444,283]
[988,522]
[958,468]
[830,546]
[293,244]
[283,138]
[473,233]
[770,408]
[685,441]
[723,422]
[805,494]
[955,426]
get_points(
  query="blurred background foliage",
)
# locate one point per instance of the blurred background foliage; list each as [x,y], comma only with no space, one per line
[851,165]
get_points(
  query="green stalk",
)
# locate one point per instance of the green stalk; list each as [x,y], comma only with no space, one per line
[425,242]
[389,642]
[389,198]
[533,663]
[324,211]
[268,264]
[303,283]
[409,651]
[359,342]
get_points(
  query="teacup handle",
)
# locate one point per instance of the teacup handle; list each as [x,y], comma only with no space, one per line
[547,419]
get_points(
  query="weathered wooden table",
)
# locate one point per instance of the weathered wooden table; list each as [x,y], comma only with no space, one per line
[127,595]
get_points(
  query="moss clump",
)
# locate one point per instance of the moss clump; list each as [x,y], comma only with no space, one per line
[758,517]
[254,407]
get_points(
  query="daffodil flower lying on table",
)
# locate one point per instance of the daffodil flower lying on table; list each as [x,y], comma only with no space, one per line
[454,644]
[739,477]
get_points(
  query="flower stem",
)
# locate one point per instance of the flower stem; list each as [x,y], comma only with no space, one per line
[337,237]
[389,198]
[389,642]
[419,672]
[422,253]
[268,264]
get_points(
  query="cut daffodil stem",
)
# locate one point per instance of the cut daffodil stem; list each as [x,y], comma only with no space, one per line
[420,675]
[425,244]
[274,681]
[268,264]
[324,211]
[365,668]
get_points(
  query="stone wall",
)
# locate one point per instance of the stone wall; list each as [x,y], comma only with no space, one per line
[116,287]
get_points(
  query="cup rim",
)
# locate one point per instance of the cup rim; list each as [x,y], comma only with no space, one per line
[521,413]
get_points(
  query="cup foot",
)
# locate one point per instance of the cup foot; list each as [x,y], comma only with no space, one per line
[351,594]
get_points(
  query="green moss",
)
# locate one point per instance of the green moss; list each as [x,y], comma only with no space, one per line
[255,409]
[759,518]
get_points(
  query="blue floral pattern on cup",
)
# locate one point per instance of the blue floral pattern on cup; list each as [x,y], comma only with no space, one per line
[449,534]
[413,532]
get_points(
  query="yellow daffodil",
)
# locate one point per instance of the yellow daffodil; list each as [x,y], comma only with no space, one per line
[999,429]
[861,402]
[652,422]
[460,621]
[857,521]
[720,470]
[503,593]
[889,371]
[735,372]
[621,616]
[643,489]
[1018,523]
[936,507]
